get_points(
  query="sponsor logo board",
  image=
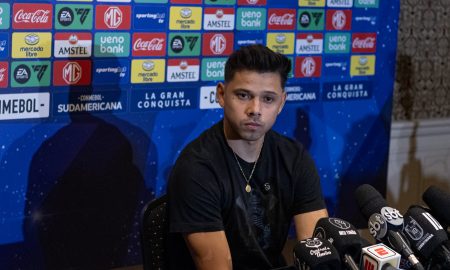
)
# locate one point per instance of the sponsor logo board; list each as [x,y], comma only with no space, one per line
[366,3]
[183,70]
[213,69]
[111,71]
[252,2]
[30,73]
[72,73]
[184,44]
[4,45]
[244,39]
[32,16]
[208,98]
[339,19]
[24,106]
[5,13]
[310,19]
[112,17]
[350,90]
[364,42]
[72,44]
[281,19]
[185,18]
[148,70]
[362,65]
[217,43]
[73,17]
[309,43]
[112,44]
[220,2]
[164,99]
[336,66]
[251,19]
[31,45]
[337,42]
[302,93]
[218,19]
[149,17]
[340,3]
[281,42]
[4,74]
[311,3]
[308,66]
[149,44]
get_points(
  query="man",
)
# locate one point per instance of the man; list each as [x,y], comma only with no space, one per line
[235,189]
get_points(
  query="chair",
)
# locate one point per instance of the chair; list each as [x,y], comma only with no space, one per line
[154,231]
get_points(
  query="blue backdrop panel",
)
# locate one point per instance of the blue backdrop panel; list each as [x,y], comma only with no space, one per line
[97,99]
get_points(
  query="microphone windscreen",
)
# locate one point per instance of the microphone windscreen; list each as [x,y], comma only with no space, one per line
[315,254]
[423,231]
[369,200]
[439,202]
[342,234]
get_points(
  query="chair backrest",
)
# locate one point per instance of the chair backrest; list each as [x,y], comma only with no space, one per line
[154,231]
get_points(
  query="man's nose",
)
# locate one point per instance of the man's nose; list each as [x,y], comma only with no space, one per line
[254,108]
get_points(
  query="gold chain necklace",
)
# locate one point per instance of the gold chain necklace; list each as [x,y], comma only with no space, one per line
[248,188]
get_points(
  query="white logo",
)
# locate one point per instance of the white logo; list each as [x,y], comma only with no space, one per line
[72,72]
[156,44]
[341,224]
[312,242]
[113,17]
[339,19]
[39,16]
[285,19]
[308,66]
[218,44]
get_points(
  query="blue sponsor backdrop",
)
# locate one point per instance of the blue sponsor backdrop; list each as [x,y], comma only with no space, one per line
[72,182]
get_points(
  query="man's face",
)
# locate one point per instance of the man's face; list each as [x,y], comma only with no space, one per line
[251,103]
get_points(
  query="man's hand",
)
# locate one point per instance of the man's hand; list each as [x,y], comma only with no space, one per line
[209,250]
[306,222]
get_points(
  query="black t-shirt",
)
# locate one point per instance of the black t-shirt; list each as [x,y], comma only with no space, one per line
[207,193]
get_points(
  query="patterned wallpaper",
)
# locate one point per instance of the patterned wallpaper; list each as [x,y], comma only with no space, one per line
[422,88]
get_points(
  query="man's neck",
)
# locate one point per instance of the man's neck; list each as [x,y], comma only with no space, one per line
[247,150]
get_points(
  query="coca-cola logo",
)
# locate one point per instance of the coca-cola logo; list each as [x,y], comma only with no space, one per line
[38,16]
[156,44]
[285,19]
[366,43]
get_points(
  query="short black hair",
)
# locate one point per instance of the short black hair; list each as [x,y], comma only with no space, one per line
[257,58]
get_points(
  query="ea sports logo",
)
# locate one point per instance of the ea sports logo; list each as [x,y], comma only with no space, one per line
[113,17]
[218,44]
[72,73]
[339,19]
[308,66]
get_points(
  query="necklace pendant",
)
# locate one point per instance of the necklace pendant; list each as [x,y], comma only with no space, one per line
[248,188]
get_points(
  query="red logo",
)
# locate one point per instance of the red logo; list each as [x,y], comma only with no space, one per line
[364,42]
[307,67]
[217,44]
[113,17]
[368,265]
[281,19]
[149,44]
[72,73]
[32,16]
[252,2]
[381,251]
[3,74]
[339,19]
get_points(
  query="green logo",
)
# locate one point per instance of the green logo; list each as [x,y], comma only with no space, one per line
[110,44]
[310,19]
[184,44]
[251,19]
[220,2]
[30,74]
[366,3]
[77,17]
[337,43]
[4,15]
[213,69]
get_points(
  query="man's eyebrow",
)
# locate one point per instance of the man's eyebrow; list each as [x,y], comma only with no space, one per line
[265,92]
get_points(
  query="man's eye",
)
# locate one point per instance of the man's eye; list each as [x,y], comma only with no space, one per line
[268,99]
[242,95]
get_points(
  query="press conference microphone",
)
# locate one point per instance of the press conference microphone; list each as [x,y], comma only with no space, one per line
[385,223]
[343,236]
[427,237]
[439,202]
[316,254]
[379,257]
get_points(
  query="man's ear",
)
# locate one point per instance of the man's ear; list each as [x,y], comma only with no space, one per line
[283,101]
[220,92]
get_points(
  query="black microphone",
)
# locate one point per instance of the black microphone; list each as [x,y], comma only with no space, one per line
[343,236]
[316,254]
[385,223]
[439,202]
[427,237]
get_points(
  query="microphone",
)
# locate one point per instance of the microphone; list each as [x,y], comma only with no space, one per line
[379,257]
[385,223]
[343,236]
[427,237]
[315,254]
[439,202]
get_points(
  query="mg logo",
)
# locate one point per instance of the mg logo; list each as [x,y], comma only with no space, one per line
[339,20]
[308,66]
[113,17]
[72,73]
[218,44]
